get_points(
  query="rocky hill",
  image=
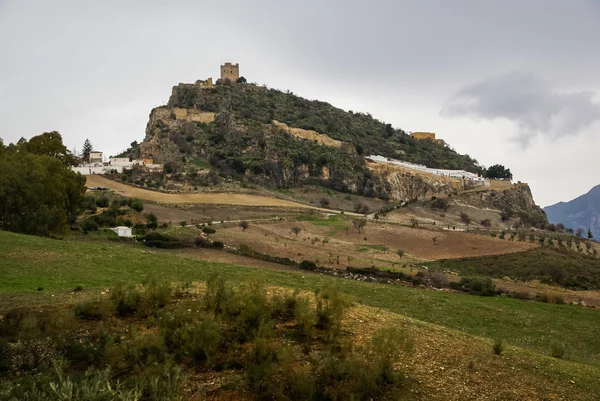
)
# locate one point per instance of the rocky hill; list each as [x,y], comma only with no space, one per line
[582,212]
[275,139]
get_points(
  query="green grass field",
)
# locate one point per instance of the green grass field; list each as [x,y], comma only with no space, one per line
[58,266]
[29,262]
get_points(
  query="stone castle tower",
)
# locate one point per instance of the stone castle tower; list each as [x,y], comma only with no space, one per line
[230,71]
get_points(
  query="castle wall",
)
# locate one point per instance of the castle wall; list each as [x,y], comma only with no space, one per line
[193,115]
[423,135]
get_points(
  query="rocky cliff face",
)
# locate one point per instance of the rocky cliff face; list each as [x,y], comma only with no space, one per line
[516,199]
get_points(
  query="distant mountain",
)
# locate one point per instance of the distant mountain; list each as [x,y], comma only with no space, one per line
[583,212]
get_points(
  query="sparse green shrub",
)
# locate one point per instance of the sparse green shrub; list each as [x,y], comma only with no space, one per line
[155,296]
[92,310]
[498,346]
[331,307]
[250,310]
[217,294]
[204,340]
[305,319]
[125,299]
[208,231]
[136,204]
[261,368]
[140,349]
[557,349]
[387,345]
[478,285]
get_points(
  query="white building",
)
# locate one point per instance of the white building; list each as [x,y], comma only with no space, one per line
[119,161]
[122,231]
[95,158]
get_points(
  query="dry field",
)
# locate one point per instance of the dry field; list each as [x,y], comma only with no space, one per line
[378,244]
[161,197]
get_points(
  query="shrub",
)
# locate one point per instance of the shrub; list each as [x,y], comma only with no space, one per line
[155,296]
[440,203]
[89,225]
[478,285]
[331,307]
[387,344]
[551,298]
[250,310]
[465,218]
[102,201]
[400,252]
[261,367]
[308,265]
[136,205]
[203,340]
[557,350]
[218,244]
[244,225]
[498,346]
[217,294]
[305,319]
[78,288]
[361,208]
[91,310]
[125,300]
[208,230]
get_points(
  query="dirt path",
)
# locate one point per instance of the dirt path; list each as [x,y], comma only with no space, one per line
[216,198]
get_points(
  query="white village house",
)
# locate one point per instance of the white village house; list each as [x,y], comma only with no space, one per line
[122,231]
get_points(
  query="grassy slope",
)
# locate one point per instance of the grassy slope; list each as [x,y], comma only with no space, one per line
[28,262]
[570,269]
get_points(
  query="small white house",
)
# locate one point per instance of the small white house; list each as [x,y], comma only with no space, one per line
[122,231]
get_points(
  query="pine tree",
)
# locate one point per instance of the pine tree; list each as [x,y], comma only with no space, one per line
[590,235]
[86,149]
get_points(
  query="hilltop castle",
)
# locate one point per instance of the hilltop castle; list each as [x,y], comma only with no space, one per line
[228,71]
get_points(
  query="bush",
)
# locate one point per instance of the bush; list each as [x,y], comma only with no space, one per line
[498,346]
[308,265]
[387,345]
[203,340]
[217,294]
[136,205]
[208,230]
[250,310]
[557,350]
[331,307]
[125,300]
[551,298]
[92,310]
[89,225]
[261,368]
[102,201]
[155,296]
[478,285]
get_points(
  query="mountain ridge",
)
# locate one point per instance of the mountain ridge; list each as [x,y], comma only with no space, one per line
[580,212]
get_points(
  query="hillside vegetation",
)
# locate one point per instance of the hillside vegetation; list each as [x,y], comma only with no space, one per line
[245,144]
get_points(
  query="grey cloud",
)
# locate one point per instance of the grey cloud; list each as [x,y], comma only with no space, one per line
[529,102]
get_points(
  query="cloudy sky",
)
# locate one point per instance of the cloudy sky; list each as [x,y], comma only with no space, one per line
[514,82]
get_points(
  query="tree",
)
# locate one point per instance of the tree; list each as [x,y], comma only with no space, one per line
[244,225]
[590,235]
[498,172]
[434,239]
[440,203]
[361,207]
[86,149]
[152,221]
[414,222]
[359,224]
[296,230]
[579,232]
[465,218]
[208,231]
[39,193]
[560,227]
[486,223]
[324,202]
[241,80]
[506,214]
